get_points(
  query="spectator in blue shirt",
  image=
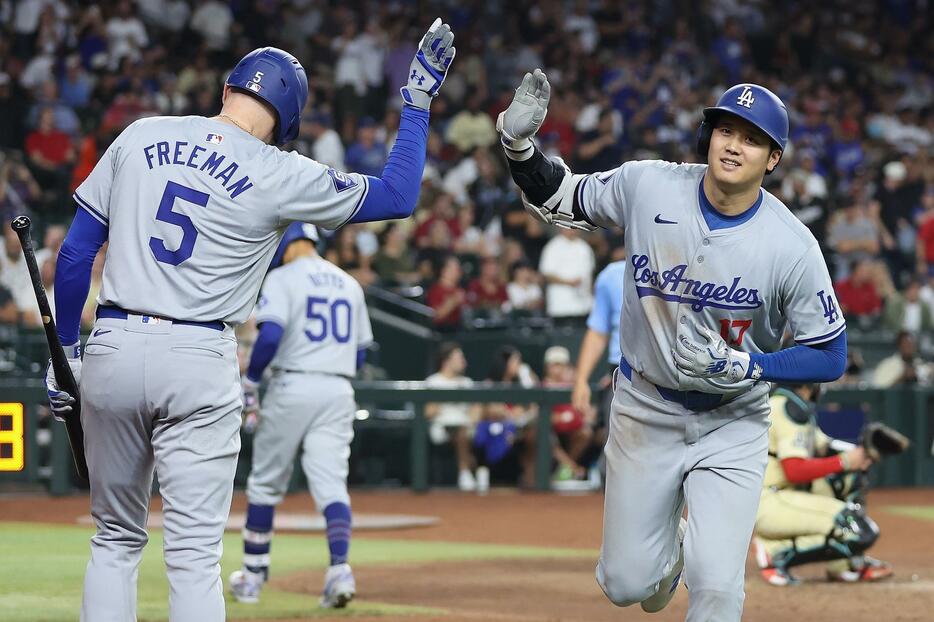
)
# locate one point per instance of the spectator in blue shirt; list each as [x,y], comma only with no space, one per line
[367,155]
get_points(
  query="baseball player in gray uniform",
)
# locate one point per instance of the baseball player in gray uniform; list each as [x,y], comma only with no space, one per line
[193,209]
[313,333]
[718,270]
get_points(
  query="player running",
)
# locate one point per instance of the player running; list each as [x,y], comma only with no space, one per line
[313,333]
[193,209]
[719,268]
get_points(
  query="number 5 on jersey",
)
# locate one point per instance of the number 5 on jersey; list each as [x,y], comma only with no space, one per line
[328,317]
[166,214]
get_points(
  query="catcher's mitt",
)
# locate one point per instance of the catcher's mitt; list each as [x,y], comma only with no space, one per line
[879,441]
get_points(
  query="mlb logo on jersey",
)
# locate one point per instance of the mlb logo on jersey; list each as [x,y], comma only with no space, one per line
[215,138]
[341,181]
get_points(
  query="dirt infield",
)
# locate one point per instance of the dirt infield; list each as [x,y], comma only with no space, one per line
[564,589]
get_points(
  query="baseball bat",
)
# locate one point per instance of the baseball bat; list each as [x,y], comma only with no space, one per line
[66,380]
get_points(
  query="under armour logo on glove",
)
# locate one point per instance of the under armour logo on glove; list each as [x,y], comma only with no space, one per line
[710,357]
[415,77]
[430,65]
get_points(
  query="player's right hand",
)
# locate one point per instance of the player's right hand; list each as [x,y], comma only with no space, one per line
[580,397]
[250,399]
[525,115]
[61,402]
[430,66]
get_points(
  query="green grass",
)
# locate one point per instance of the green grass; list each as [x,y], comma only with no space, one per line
[42,571]
[923,512]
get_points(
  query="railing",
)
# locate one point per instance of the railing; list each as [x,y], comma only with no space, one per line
[907,410]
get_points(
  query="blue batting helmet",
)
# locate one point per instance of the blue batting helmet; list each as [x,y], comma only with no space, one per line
[295,231]
[279,79]
[751,102]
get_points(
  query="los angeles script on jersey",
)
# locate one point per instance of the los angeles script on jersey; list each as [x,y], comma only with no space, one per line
[181,153]
[671,285]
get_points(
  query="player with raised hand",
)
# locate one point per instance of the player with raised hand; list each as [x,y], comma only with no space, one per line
[313,333]
[718,270]
[194,209]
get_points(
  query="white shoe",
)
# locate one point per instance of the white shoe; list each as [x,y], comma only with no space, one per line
[466,481]
[339,587]
[483,479]
[667,586]
[245,585]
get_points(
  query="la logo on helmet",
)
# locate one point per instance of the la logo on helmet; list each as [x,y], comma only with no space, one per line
[745,98]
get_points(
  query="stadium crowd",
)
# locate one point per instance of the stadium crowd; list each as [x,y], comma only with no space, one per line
[629,82]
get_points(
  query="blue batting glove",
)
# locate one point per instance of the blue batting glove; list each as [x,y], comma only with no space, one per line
[430,66]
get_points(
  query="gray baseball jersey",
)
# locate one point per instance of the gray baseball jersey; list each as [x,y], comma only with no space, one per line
[323,314]
[195,208]
[750,281]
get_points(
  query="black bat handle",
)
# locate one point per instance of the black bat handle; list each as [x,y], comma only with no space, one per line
[66,380]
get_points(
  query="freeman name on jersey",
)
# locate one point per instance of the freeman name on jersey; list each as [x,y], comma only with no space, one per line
[698,294]
[182,154]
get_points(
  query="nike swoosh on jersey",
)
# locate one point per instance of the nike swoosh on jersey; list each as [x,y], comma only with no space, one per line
[101,331]
[661,221]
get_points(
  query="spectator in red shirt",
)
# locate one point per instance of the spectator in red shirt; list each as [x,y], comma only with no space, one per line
[446,296]
[487,292]
[443,210]
[50,155]
[858,295]
[925,246]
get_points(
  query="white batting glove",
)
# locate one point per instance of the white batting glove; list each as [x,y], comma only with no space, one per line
[61,402]
[251,404]
[525,115]
[430,66]
[711,357]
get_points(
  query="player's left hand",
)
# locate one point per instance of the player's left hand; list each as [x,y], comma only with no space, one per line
[526,113]
[710,357]
[61,402]
[430,66]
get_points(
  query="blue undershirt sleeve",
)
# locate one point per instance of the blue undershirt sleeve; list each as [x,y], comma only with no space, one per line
[395,194]
[823,362]
[361,357]
[267,342]
[73,273]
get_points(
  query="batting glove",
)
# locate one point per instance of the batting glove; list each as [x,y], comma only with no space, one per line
[711,357]
[524,116]
[61,402]
[430,66]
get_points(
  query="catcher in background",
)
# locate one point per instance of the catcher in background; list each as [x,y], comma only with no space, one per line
[812,507]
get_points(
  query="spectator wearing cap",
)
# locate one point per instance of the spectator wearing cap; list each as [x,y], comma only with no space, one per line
[366,155]
[446,296]
[573,427]
[523,289]
[454,422]
[567,264]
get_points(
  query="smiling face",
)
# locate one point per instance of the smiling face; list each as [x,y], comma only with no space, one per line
[740,153]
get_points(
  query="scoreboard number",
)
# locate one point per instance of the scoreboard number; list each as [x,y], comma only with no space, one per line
[11,437]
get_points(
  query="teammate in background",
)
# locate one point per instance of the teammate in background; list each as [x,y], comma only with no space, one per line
[194,209]
[602,334]
[811,509]
[313,333]
[718,269]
